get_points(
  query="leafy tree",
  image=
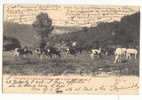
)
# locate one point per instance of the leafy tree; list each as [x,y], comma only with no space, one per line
[43,26]
[10,43]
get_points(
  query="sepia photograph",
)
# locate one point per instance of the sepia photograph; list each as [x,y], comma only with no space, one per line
[71,49]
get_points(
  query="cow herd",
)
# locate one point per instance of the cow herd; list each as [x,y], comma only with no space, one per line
[74,49]
[118,53]
[50,51]
[126,53]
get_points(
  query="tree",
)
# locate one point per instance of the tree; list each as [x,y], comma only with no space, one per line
[10,43]
[43,26]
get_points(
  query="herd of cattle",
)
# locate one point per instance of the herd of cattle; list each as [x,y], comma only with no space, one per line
[118,53]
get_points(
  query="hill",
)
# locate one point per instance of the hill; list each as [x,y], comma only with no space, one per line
[125,33]
[26,34]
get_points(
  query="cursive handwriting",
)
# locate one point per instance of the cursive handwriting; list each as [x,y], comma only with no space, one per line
[67,15]
[71,85]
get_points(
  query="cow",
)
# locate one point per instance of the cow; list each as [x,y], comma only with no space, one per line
[39,52]
[119,52]
[22,51]
[16,52]
[108,51]
[73,48]
[52,51]
[95,52]
[71,51]
[79,49]
[28,51]
[130,52]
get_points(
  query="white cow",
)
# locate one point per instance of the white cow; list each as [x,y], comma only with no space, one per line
[92,56]
[16,52]
[119,52]
[95,52]
[131,52]
[67,51]
[124,51]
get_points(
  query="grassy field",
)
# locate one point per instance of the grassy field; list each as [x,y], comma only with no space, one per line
[82,64]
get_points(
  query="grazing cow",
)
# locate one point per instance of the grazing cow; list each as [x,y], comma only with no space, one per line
[22,51]
[79,49]
[74,50]
[52,51]
[130,52]
[75,47]
[119,52]
[124,50]
[95,52]
[39,52]
[108,51]
[43,52]
[16,52]
[71,51]
[28,51]
[67,50]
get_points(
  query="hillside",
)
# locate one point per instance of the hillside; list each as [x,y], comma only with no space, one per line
[126,33]
[26,35]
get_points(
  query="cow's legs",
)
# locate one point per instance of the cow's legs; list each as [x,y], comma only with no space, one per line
[128,56]
[117,59]
[135,56]
[50,55]
[41,56]
[92,56]
[59,55]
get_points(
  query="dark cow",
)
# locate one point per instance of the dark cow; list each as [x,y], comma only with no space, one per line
[28,51]
[22,51]
[71,51]
[39,51]
[74,48]
[52,51]
[109,51]
[78,49]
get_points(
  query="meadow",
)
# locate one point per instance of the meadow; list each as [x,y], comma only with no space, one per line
[125,33]
[82,65]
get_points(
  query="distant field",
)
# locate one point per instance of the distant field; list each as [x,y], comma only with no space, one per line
[82,64]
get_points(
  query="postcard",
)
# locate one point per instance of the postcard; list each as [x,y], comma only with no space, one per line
[71,49]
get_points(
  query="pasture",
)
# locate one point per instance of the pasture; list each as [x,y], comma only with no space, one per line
[82,65]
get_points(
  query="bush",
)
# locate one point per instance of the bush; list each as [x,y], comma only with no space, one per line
[10,43]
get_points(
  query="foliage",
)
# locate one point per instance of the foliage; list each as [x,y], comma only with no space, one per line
[11,43]
[124,33]
[43,26]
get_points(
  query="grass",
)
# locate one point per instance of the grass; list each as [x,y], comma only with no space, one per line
[68,65]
